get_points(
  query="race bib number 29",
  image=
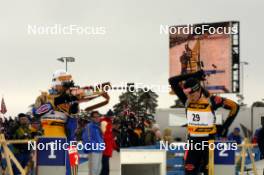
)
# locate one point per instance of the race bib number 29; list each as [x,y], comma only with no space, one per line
[200,118]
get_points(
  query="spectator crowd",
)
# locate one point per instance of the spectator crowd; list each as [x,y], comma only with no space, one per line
[92,128]
[115,132]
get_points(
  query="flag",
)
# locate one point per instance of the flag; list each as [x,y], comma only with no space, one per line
[3,107]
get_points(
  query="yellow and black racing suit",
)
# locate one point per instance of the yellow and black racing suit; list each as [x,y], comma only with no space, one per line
[201,122]
[54,122]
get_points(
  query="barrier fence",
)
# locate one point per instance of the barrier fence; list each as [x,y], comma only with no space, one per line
[246,154]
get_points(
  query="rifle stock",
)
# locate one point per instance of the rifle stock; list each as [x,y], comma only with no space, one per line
[89,93]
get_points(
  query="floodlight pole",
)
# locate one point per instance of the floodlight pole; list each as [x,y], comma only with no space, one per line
[66,65]
[66,60]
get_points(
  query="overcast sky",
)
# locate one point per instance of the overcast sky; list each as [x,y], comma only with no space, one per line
[131,50]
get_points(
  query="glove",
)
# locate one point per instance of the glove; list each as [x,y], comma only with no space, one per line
[201,75]
[222,131]
[226,125]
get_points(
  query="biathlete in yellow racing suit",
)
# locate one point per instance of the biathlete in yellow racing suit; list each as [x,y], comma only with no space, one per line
[200,112]
[56,107]
[56,110]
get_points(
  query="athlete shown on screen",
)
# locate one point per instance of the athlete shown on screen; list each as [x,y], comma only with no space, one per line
[200,111]
[185,59]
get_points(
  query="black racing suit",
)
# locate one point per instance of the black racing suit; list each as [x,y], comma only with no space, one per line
[260,141]
[197,160]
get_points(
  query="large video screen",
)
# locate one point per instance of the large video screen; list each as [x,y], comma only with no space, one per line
[207,46]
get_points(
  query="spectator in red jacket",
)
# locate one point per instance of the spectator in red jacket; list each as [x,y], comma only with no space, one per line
[110,145]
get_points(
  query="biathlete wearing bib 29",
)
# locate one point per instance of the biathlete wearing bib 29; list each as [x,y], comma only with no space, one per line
[200,112]
[201,118]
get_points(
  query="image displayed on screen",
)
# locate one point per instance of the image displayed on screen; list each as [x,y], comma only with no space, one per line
[207,47]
